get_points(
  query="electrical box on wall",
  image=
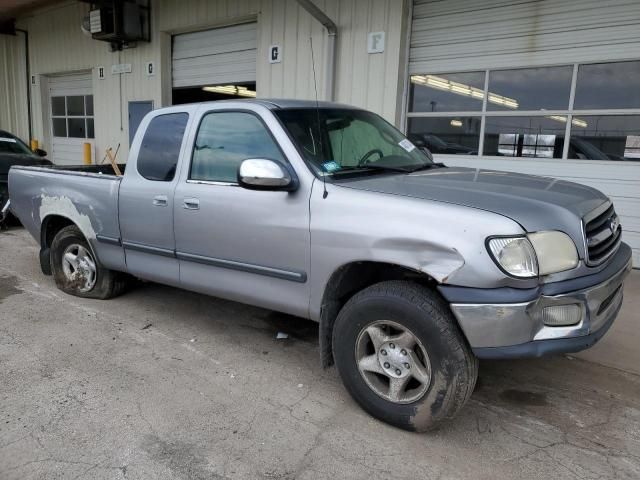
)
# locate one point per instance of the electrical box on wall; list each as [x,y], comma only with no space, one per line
[122,23]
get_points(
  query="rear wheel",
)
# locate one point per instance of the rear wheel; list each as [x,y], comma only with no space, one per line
[402,356]
[76,270]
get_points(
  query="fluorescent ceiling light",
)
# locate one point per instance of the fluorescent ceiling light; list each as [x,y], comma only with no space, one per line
[231,90]
[456,123]
[578,122]
[441,83]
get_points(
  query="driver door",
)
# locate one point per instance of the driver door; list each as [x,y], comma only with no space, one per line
[244,245]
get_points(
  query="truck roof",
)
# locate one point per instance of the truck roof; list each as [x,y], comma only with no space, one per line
[281,103]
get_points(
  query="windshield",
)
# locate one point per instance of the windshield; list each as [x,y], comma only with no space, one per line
[350,140]
[9,144]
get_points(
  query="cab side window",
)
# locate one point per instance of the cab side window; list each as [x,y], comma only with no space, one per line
[224,140]
[160,149]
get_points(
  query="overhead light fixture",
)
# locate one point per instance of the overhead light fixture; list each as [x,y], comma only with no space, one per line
[456,123]
[441,83]
[578,122]
[236,90]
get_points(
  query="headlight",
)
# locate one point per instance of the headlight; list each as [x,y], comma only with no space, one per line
[537,253]
[515,255]
[556,252]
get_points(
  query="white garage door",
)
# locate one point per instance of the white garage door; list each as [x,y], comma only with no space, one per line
[215,57]
[546,87]
[71,117]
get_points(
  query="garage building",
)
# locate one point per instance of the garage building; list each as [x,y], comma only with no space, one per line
[540,86]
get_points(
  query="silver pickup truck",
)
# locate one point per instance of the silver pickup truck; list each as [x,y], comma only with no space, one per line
[413,270]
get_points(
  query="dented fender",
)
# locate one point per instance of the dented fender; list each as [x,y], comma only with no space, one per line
[352,225]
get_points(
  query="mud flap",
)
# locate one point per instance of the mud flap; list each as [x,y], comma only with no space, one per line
[45,261]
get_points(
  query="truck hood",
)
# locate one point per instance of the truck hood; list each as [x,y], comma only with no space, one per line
[536,203]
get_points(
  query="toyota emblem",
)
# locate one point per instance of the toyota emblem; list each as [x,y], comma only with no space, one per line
[614,224]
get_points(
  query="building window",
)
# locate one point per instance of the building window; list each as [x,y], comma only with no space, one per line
[545,88]
[449,135]
[606,137]
[456,92]
[540,137]
[608,86]
[529,112]
[72,116]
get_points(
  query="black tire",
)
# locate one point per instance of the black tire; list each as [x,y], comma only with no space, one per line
[108,283]
[454,368]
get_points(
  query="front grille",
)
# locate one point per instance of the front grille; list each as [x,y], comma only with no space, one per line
[602,236]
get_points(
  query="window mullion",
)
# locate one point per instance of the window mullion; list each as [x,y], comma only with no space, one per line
[483,117]
[572,96]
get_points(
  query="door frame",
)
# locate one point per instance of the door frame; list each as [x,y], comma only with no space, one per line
[47,122]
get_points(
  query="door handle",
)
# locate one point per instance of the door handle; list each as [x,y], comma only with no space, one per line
[160,201]
[191,204]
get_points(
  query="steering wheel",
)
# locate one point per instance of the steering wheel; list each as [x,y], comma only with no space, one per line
[365,157]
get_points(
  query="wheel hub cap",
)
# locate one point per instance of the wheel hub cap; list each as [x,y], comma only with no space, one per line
[393,362]
[79,267]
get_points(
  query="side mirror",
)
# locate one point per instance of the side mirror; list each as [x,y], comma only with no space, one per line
[264,174]
[427,152]
[40,152]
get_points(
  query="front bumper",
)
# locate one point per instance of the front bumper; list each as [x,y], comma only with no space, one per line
[504,328]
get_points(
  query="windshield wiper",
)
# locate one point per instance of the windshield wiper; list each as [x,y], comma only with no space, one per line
[426,166]
[370,167]
[387,168]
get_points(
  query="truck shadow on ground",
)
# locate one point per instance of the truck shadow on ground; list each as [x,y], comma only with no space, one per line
[562,390]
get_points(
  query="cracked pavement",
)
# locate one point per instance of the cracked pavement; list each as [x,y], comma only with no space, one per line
[89,390]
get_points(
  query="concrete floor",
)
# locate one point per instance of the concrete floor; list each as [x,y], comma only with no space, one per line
[162,383]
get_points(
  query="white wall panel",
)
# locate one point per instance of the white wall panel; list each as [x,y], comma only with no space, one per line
[13,86]
[369,81]
[58,47]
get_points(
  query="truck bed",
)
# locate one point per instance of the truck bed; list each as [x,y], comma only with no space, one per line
[104,169]
[86,195]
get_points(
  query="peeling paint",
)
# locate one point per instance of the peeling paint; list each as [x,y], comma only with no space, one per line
[64,206]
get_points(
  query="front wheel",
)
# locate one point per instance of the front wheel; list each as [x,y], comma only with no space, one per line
[402,356]
[77,272]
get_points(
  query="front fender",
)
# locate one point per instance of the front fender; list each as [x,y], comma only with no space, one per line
[443,241]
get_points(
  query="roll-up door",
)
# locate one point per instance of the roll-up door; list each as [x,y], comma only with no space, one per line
[219,56]
[546,87]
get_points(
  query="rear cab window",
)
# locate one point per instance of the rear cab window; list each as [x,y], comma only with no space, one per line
[160,149]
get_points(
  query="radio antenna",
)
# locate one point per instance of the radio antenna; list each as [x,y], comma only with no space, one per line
[315,86]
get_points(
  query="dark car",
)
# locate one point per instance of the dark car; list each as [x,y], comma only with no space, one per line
[14,151]
[437,145]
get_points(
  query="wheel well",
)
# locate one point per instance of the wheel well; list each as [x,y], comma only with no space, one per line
[50,228]
[346,282]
